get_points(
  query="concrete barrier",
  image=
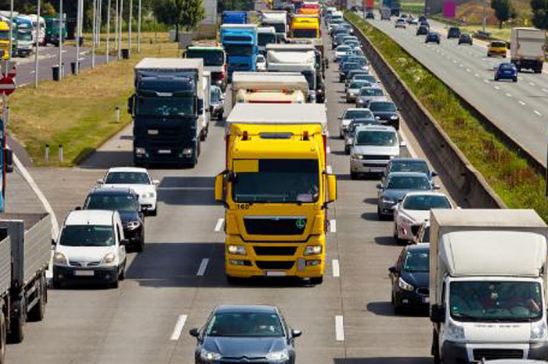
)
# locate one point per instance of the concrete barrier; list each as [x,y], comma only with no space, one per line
[458,175]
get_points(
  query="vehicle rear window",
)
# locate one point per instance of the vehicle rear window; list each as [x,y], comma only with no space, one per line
[370,91]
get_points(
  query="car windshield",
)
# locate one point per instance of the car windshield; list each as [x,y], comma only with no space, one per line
[350,66]
[377,138]
[239,49]
[358,114]
[506,66]
[111,201]
[368,78]
[245,324]
[408,183]
[358,85]
[276,180]
[371,91]
[416,260]
[409,166]
[134,178]
[426,202]
[87,235]
[382,106]
[495,301]
[342,48]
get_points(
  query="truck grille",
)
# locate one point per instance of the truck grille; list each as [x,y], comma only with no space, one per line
[275,250]
[275,264]
[491,354]
[275,225]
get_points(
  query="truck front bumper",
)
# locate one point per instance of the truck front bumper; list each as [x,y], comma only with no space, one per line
[459,353]
[163,155]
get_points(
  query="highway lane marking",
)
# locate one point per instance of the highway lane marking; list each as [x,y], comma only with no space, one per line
[532,84]
[328,150]
[336,268]
[477,75]
[176,334]
[333,226]
[497,88]
[329,169]
[219,225]
[468,70]
[486,81]
[508,94]
[203,266]
[521,103]
[461,65]
[339,328]
[545,90]
[454,61]
[538,113]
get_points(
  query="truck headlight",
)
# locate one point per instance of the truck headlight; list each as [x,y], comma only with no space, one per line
[404,285]
[538,330]
[109,258]
[59,259]
[236,249]
[313,250]
[187,151]
[132,225]
[209,355]
[277,356]
[140,151]
[357,156]
[454,332]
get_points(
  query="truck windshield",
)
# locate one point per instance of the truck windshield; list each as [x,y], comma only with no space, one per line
[278,180]
[24,36]
[211,57]
[279,27]
[165,106]
[87,235]
[305,33]
[239,49]
[266,38]
[4,35]
[495,301]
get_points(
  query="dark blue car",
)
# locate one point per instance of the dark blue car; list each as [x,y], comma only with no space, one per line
[506,71]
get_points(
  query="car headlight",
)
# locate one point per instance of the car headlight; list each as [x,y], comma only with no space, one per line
[187,151]
[357,156]
[388,200]
[360,101]
[149,195]
[404,285]
[538,330]
[140,151]
[394,117]
[313,250]
[132,225]
[236,249]
[109,258]
[454,332]
[209,355]
[59,259]
[278,355]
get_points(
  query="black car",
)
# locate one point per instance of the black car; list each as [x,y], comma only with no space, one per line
[453,32]
[126,202]
[347,67]
[409,278]
[245,334]
[369,15]
[422,30]
[432,37]
[403,164]
[465,38]
[386,113]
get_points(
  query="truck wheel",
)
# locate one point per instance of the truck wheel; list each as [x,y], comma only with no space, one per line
[435,349]
[17,323]
[3,332]
[316,280]
[353,175]
[38,312]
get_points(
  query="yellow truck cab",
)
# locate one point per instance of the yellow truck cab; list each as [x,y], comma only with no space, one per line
[305,26]
[269,87]
[496,48]
[5,39]
[276,189]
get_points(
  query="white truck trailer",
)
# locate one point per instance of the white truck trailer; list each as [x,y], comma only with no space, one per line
[527,48]
[269,87]
[488,285]
[278,20]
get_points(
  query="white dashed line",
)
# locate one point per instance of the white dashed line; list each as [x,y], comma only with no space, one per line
[461,65]
[532,84]
[328,150]
[508,94]
[468,70]
[497,88]
[176,334]
[545,90]
[203,266]
[538,113]
[333,226]
[477,75]
[219,224]
[455,61]
[486,81]
[521,103]
[339,328]
[329,169]
[336,268]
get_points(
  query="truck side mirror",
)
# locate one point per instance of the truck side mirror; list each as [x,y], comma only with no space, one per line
[8,158]
[219,187]
[331,188]
[130,104]
[437,314]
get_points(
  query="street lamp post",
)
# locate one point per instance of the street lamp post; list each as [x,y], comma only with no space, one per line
[37,43]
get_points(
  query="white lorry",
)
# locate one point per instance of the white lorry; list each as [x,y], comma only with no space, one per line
[278,20]
[488,285]
[269,87]
[265,36]
[527,48]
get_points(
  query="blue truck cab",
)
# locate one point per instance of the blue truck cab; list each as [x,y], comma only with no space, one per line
[168,110]
[240,44]
[234,17]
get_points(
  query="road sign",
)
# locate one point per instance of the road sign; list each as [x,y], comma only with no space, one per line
[9,69]
[7,86]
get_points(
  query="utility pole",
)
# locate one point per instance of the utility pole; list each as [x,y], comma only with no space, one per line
[99,20]
[129,23]
[11,28]
[116,18]
[93,33]
[61,27]
[108,30]
[120,27]
[484,21]
[139,28]
[78,36]
[37,43]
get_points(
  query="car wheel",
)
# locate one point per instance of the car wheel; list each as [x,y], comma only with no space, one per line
[17,323]
[435,349]
[496,78]
[56,283]
[398,310]
[353,175]
[115,284]
[316,280]
[515,79]
[380,215]
[122,274]
[38,312]
[346,150]
[232,280]
[153,212]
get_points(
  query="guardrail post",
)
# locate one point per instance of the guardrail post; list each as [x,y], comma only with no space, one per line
[117,114]
[61,153]
[46,153]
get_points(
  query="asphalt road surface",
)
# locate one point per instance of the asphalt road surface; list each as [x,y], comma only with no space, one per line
[519,109]
[348,319]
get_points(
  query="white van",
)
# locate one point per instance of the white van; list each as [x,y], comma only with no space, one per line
[90,247]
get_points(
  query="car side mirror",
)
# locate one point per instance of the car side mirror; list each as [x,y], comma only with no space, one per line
[200,106]
[99,181]
[156,182]
[296,333]
[194,332]
[393,269]
[331,188]
[53,242]
[436,187]
[78,208]
[379,186]
[220,188]
[437,314]
[434,173]
[403,144]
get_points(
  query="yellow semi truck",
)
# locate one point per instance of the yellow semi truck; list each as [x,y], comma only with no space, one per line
[305,26]
[276,188]
[5,40]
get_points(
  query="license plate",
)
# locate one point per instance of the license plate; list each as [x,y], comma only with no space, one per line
[375,169]
[84,273]
[426,300]
[152,132]
[275,274]
[164,151]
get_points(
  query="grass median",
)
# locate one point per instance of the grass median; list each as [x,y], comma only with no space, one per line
[79,112]
[519,185]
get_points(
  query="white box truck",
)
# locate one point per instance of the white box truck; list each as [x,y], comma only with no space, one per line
[527,47]
[278,20]
[269,88]
[488,285]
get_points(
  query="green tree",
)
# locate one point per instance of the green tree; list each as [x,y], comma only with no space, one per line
[540,13]
[185,13]
[503,10]
[235,5]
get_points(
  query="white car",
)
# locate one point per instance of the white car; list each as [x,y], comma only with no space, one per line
[261,63]
[352,114]
[341,51]
[414,210]
[137,179]
[90,247]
